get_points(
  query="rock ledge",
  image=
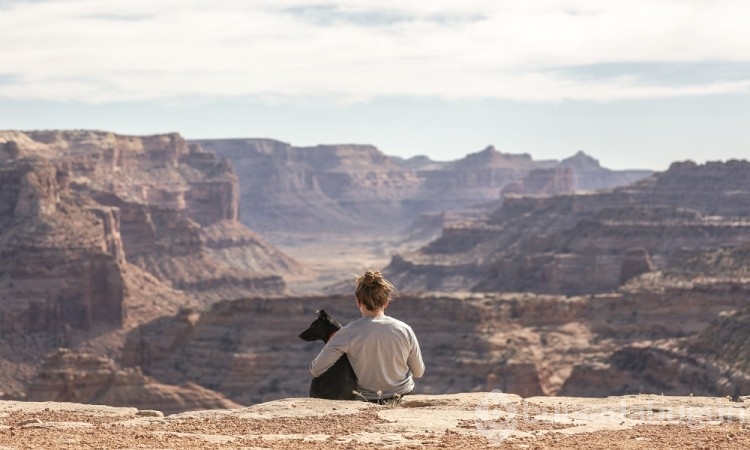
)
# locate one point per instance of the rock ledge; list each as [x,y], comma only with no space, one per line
[470,420]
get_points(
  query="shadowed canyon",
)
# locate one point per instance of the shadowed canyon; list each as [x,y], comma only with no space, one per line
[167,274]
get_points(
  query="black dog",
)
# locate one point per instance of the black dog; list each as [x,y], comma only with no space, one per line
[338,382]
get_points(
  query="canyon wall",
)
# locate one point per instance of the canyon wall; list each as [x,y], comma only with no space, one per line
[133,247]
[526,344]
[351,188]
[159,203]
[66,376]
[102,231]
[61,260]
[586,243]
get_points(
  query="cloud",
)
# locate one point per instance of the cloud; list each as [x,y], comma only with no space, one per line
[100,51]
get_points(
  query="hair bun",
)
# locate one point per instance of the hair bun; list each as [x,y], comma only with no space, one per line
[372,279]
[373,290]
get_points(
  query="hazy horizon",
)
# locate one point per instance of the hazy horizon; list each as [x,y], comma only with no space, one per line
[636,85]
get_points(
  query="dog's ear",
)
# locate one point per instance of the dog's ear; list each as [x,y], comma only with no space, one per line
[323,314]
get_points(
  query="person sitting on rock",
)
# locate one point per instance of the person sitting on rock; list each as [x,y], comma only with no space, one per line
[384,352]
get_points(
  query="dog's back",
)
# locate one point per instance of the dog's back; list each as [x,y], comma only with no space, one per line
[339,381]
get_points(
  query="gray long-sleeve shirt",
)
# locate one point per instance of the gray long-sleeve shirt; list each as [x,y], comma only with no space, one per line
[384,354]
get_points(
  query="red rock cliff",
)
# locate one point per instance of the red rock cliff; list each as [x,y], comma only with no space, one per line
[62,259]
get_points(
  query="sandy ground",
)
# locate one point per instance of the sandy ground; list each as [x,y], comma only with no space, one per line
[476,420]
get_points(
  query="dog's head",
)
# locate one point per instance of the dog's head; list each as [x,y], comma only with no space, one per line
[321,328]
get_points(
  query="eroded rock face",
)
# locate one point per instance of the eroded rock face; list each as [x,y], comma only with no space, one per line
[152,197]
[578,244]
[727,341]
[137,249]
[525,344]
[589,175]
[543,182]
[161,170]
[104,232]
[660,367]
[66,376]
[62,259]
[350,188]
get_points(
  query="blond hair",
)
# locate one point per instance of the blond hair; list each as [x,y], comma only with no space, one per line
[373,291]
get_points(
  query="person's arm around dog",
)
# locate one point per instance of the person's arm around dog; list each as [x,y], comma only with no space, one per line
[337,345]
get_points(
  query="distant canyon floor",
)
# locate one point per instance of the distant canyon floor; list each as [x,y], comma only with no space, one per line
[333,260]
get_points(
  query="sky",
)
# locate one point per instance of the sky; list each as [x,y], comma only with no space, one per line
[635,84]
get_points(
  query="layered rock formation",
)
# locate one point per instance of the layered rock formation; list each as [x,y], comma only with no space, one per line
[101,231]
[84,378]
[589,175]
[107,238]
[350,188]
[543,182]
[155,202]
[711,362]
[576,244]
[62,257]
[520,343]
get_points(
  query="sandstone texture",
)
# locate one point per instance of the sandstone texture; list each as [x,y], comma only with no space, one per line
[61,258]
[635,341]
[83,205]
[356,188]
[84,378]
[129,277]
[473,421]
[103,231]
[589,243]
